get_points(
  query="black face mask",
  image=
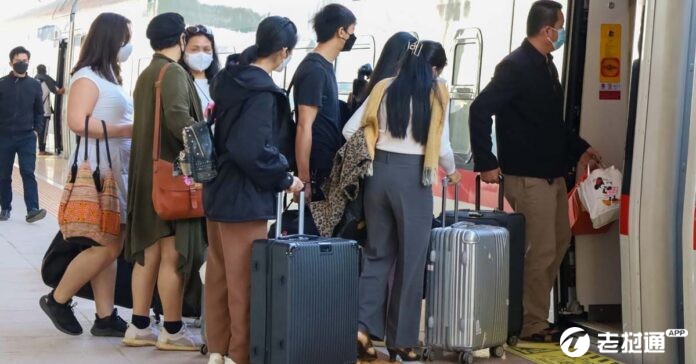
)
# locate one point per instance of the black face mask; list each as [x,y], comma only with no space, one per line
[349,43]
[20,67]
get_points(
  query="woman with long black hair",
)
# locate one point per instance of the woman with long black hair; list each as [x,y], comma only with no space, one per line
[388,63]
[405,125]
[240,200]
[201,60]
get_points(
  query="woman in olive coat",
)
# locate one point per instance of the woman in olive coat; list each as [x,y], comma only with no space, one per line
[165,252]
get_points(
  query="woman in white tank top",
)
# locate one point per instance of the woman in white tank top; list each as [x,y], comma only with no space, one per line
[96,92]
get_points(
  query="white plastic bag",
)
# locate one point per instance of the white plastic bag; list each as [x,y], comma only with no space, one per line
[600,194]
[201,272]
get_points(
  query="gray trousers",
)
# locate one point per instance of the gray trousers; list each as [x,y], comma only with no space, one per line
[399,214]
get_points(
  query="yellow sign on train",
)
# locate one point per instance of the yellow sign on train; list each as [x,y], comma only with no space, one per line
[610,54]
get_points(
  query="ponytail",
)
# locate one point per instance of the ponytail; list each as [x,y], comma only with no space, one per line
[250,55]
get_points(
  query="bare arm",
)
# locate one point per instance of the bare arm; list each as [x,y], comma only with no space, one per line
[303,141]
[82,98]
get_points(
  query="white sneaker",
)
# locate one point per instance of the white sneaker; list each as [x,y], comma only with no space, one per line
[181,341]
[141,337]
[216,358]
[229,361]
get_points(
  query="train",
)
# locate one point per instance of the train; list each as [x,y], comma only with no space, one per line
[638,277]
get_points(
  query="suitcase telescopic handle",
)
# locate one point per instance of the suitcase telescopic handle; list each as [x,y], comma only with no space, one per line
[280,203]
[501,193]
[445,184]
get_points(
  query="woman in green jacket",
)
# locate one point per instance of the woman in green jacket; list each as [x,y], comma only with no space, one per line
[165,252]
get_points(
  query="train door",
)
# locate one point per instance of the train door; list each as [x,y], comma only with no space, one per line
[688,221]
[58,100]
[465,85]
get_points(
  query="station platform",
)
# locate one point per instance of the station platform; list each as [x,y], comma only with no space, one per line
[27,336]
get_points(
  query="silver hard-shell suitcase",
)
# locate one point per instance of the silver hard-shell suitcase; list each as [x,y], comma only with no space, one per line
[467,295]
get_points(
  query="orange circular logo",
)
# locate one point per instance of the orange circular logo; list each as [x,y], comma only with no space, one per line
[611,67]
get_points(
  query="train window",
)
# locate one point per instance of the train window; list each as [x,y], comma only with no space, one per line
[348,63]
[465,84]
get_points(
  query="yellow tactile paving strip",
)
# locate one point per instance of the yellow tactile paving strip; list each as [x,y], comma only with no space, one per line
[551,353]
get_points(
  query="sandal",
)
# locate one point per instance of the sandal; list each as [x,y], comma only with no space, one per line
[407,354]
[548,335]
[366,351]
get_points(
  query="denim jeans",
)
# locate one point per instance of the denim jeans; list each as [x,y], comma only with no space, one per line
[23,145]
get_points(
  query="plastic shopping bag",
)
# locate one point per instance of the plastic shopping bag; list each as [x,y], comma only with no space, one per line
[600,195]
[580,221]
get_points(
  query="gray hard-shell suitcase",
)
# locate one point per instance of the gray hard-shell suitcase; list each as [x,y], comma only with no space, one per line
[467,296]
[304,298]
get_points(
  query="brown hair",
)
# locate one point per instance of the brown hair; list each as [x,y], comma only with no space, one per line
[107,34]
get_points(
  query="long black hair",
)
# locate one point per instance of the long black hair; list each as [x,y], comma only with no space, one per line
[202,30]
[273,34]
[388,64]
[108,32]
[408,97]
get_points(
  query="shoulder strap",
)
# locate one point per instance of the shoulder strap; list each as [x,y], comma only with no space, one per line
[157,135]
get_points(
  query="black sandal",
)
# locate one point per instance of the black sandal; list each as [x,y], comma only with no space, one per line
[407,354]
[366,351]
[548,335]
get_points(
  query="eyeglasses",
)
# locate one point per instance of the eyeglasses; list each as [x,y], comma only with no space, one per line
[198,29]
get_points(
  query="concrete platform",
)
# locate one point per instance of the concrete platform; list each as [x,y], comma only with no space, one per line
[26,334]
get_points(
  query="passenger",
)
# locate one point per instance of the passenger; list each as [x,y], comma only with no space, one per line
[201,60]
[21,115]
[319,121]
[96,91]
[387,66]
[407,135]
[48,86]
[165,251]
[240,201]
[535,151]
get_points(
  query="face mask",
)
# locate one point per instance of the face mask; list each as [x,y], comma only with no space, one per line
[125,52]
[349,43]
[199,61]
[282,66]
[20,67]
[561,38]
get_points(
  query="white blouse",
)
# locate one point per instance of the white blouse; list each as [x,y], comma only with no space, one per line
[386,142]
[113,106]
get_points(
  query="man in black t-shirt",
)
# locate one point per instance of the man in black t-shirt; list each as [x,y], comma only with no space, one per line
[316,97]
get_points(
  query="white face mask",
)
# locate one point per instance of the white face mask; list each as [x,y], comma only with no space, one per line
[124,52]
[285,63]
[199,61]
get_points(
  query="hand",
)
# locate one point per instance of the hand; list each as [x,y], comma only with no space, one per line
[590,158]
[454,178]
[60,91]
[296,186]
[492,176]
[308,193]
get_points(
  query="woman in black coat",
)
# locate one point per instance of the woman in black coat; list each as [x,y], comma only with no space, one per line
[252,115]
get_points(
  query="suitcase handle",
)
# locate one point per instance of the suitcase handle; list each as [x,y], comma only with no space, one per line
[501,193]
[279,214]
[445,184]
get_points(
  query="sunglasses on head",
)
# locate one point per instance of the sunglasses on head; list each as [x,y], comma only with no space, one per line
[198,29]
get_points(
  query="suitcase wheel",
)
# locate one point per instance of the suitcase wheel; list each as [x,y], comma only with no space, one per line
[497,352]
[466,357]
[513,340]
[204,349]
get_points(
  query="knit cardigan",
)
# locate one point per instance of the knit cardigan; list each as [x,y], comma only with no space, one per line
[439,99]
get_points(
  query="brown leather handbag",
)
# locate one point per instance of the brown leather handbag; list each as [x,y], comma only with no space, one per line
[172,197]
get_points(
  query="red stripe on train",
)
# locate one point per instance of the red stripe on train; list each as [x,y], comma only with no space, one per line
[623,219]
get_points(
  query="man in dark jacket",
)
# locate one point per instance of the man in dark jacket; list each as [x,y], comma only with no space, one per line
[48,86]
[535,151]
[21,114]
